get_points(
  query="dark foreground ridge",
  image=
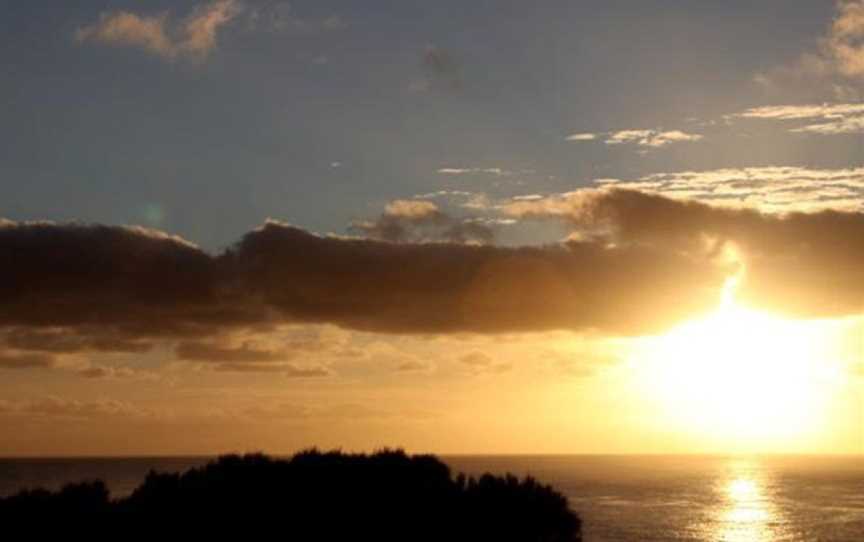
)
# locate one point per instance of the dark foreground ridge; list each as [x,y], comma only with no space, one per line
[311,496]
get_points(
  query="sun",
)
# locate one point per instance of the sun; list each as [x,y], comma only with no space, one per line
[739,374]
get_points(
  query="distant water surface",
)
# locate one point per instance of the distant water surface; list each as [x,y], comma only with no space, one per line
[620,498]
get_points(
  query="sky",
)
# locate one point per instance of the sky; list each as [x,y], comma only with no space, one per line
[594,226]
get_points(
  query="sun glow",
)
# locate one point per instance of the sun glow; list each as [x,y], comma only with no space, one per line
[741,375]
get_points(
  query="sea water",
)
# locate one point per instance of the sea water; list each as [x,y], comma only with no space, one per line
[620,498]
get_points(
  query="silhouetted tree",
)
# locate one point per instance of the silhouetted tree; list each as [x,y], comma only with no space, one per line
[314,496]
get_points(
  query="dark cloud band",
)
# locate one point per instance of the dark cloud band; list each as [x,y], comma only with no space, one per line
[72,287]
[805,264]
[643,263]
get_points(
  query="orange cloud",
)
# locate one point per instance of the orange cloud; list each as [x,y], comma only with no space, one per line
[195,36]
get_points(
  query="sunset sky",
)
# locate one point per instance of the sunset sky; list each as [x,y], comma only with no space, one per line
[593,226]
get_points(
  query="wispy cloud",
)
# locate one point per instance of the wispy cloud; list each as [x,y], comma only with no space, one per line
[194,36]
[114,373]
[413,365]
[25,360]
[831,119]
[473,171]
[836,66]
[770,189]
[444,194]
[581,137]
[481,363]
[643,138]
[852,125]
[798,112]
[62,408]
[651,138]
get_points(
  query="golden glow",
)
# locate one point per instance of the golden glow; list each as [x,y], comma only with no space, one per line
[740,375]
[749,513]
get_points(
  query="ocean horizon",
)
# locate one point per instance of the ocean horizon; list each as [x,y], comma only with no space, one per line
[734,498]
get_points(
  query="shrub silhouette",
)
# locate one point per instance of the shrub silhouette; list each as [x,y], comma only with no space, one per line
[315,496]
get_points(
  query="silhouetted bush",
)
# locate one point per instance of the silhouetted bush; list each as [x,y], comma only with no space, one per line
[312,496]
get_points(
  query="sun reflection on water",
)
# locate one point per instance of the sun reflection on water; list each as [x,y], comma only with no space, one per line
[748,512]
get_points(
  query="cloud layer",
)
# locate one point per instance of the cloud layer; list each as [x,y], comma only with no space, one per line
[806,264]
[636,263]
[79,288]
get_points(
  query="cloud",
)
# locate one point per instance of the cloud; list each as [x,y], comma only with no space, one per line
[474,170]
[246,358]
[9,360]
[92,276]
[845,42]
[836,67]
[637,263]
[100,372]
[99,282]
[476,359]
[421,220]
[94,372]
[288,370]
[583,362]
[124,28]
[160,34]
[412,365]
[798,112]
[444,194]
[339,412]
[853,125]
[833,119]
[838,127]
[770,189]
[212,353]
[643,138]
[402,220]
[447,287]
[581,137]
[72,409]
[481,363]
[806,264]
[651,138]
[62,340]
[411,208]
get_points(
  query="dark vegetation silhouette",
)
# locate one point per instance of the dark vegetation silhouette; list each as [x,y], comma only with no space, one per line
[311,496]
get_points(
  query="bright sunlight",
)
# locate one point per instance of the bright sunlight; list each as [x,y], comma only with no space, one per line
[741,375]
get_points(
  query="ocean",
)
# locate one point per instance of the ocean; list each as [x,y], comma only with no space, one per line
[620,498]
